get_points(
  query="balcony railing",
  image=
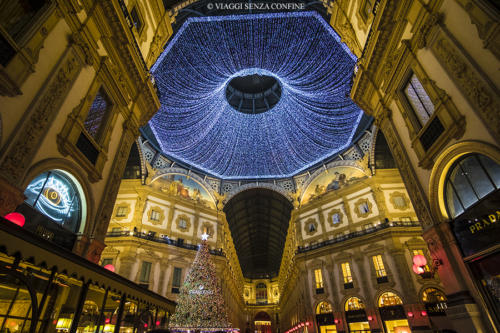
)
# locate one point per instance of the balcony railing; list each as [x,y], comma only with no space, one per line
[356,234]
[164,240]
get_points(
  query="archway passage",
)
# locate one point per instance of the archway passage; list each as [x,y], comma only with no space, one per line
[258,220]
[262,322]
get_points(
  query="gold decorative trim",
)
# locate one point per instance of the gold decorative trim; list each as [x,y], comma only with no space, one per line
[127,207]
[472,84]
[159,210]
[39,116]
[185,218]
[307,223]
[392,199]
[443,164]
[362,201]
[341,217]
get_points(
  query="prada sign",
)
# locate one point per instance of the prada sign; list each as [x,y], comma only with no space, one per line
[478,228]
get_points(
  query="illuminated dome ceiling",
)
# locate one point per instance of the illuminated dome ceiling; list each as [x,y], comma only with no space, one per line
[254,96]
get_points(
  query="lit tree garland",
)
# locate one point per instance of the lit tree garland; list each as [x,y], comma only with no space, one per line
[314,118]
[200,305]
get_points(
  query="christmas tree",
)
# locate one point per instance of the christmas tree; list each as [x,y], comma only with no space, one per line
[200,305]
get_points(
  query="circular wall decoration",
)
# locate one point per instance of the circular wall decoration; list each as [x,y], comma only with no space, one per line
[56,195]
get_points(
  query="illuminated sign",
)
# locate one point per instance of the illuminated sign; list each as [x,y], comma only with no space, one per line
[55,201]
[477,229]
[485,222]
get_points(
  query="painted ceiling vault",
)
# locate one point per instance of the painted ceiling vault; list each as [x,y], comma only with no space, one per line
[254,96]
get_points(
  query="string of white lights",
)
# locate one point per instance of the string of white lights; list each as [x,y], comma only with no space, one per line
[313,119]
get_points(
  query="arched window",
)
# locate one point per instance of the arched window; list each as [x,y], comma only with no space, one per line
[57,195]
[261,292]
[470,179]
[353,304]
[324,307]
[389,299]
[432,295]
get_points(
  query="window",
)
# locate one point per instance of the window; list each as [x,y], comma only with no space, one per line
[353,304]
[336,218]
[261,292]
[136,20]
[182,223]
[399,201]
[421,252]
[96,117]
[116,230]
[155,216]
[432,295]
[469,180]
[346,272]
[145,271]
[17,16]
[418,99]
[389,299]
[324,307]
[378,263]
[107,261]
[312,227]
[363,208]
[56,195]
[318,277]
[176,280]
[121,211]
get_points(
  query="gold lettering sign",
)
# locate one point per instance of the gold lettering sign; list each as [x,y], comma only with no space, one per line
[484,222]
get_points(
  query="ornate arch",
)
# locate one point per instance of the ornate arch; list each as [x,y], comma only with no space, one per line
[331,165]
[179,171]
[81,177]
[319,301]
[442,166]
[427,286]
[344,300]
[382,291]
[249,186]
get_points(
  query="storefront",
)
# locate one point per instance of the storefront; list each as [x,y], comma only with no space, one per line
[325,319]
[435,308]
[262,323]
[472,197]
[392,313]
[357,321]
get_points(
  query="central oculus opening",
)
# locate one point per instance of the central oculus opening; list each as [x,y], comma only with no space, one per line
[253,94]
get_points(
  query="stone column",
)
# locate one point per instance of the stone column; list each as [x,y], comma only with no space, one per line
[126,264]
[105,211]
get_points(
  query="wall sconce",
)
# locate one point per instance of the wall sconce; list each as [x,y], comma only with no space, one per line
[410,314]
[419,264]
[424,313]
[370,318]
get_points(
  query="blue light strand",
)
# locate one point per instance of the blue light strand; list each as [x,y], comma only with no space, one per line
[313,120]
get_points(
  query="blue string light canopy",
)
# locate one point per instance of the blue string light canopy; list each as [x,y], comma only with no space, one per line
[255,96]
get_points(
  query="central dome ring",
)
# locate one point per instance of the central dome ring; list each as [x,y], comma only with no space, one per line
[253,91]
